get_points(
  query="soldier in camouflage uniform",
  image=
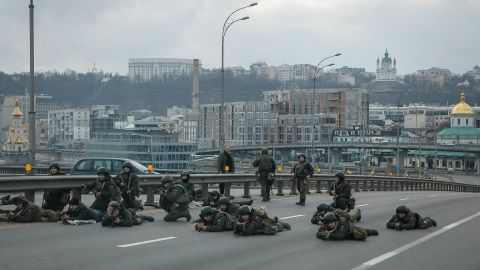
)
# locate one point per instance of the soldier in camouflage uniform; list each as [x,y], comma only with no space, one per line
[212,199]
[104,190]
[24,212]
[117,215]
[338,228]
[174,200]
[55,199]
[342,191]
[225,164]
[252,221]
[266,167]
[302,172]
[404,219]
[185,181]
[127,182]
[212,220]
[79,211]
[225,205]
[324,208]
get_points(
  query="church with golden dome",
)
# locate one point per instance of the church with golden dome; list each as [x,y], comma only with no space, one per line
[463,129]
[17,136]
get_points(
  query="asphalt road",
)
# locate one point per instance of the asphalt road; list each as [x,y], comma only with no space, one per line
[454,244]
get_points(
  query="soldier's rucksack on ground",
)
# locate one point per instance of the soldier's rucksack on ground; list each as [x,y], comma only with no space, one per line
[49,216]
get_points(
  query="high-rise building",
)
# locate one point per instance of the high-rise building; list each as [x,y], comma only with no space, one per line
[144,69]
[387,68]
[68,126]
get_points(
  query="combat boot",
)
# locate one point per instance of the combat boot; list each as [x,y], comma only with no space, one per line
[371,232]
[5,199]
[302,202]
[187,215]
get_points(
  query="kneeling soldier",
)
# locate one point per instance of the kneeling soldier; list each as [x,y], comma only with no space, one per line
[405,219]
[256,221]
[338,228]
[214,221]
[174,199]
[323,208]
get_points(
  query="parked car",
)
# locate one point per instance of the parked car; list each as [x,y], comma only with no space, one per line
[89,166]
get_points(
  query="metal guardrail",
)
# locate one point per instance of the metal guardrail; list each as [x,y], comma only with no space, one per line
[20,170]
[319,182]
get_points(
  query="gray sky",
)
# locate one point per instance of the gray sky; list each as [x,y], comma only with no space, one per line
[72,34]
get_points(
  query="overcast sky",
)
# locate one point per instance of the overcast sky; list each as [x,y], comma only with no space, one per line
[72,34]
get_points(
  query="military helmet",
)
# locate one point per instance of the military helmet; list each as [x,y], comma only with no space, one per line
[102,170]
[19,199]
[264,151]
[340,175]
[402,209]
[215,193]
[323,207]
[245,210]
[55,165]
[114,204]
[329,217]
[302,155]
[207,210]
[185,173]
[223,200]
[166,179]
[127,164]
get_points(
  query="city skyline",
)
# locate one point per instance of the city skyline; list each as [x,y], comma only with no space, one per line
[74,35]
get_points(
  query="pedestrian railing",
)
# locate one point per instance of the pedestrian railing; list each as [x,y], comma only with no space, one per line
[150,183]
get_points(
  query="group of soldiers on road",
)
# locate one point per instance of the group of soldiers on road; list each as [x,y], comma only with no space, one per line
[116,204]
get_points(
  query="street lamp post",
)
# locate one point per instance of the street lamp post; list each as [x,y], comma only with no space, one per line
[317,70]
[31,113]
[398,133]
[226,26]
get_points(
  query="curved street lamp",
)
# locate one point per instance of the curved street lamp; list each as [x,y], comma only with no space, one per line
[315,74]
[226,25]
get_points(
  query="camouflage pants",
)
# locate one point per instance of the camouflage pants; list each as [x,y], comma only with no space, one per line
[266,188]
[176,213]
[303,187]
[425,223]
[359,234]
[4,217]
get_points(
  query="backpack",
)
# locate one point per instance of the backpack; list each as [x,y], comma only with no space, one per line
[229,221]
[182,199]
[49,216]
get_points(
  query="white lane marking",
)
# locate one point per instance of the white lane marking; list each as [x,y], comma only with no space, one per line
[397,251]
[148,242]
[9,227]
[362,205]
[403,199]
[292,216]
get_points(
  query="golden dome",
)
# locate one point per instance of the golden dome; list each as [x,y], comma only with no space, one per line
[462,107]
[16,112]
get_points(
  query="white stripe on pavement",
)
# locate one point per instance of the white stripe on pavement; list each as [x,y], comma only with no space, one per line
[292,216]
[403,199]
[362,205]
[148,242]
[390,254]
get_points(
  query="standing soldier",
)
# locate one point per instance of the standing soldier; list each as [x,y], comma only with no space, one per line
[266,166]
[302,172]
[127,182]
[225,164]
[338,228]
[341,190]
[174,200]
[104,190]
[185,177]
[404,219]
[55,199]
